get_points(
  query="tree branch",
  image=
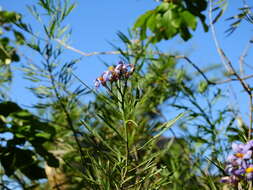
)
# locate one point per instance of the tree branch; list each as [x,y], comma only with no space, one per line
[228,65]
[84,53]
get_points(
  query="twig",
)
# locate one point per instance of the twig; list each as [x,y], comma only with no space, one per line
[243,55]
[249,66]
[196,67]
[84,53]
[245,85]
[232,79]
[176,57]
[118,52]
[65,111]
[228,65]
[217,44]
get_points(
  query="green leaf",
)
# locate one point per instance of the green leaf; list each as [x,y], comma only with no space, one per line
[71,7]
[6,16]
[163,128]
[142,20]
[152,22]
[184,33]
[15,158]
[52,28]
[199,140]
[203,85]
[163,7]
[172,18]
[6,108]
[44,135]
[141,23]
[189,19]
[20,39]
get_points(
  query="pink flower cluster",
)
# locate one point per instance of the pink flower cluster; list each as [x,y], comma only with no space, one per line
[121,71]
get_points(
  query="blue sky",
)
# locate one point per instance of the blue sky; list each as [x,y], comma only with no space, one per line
[95,24]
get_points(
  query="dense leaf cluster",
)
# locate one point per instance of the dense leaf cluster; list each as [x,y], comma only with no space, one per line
[170,19]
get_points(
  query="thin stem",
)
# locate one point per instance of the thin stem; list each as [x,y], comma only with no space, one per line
[228,65]
[68,117]
[242,57]
[233,79]
[250,185]
[195,67]
[84,53]
[250,115]
[114,96]
[122,103]
[127,145]
[217,44]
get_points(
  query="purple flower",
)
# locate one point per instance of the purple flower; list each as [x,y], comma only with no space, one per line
[97,83]
[119,67]
[238,172]
[126,69]
[107,76]
[249,145]
[249,172]
[100,80]
[232,160]
[242,152]
[121,71]
[229,179]
[237,147]
[239,166]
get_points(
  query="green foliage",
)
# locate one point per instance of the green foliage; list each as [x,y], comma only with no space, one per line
[7,50]
[203,85]
[26,130]
[170,19]
[243,14]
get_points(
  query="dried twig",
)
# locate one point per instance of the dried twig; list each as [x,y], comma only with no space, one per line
[233,79]
[217,44]
[118,52]
[228,65]
[159,53]
[84,53]
[243,55]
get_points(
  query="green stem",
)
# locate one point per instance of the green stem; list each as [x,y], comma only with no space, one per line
[122,92]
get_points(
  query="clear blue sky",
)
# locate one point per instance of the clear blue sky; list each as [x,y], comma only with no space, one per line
[95,23]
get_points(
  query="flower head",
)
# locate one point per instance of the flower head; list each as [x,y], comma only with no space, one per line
[242,152]
[120,72]
[229,179]
[249,172]
[239,164]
